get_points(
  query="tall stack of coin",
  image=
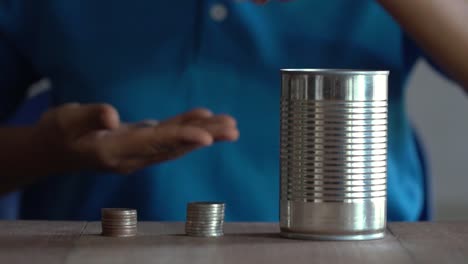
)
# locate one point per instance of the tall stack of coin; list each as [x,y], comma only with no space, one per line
[205,219]
[119,222]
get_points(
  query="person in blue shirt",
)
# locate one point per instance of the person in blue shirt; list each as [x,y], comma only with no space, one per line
[123,72]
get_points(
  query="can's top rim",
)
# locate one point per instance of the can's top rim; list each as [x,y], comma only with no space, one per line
[336,71]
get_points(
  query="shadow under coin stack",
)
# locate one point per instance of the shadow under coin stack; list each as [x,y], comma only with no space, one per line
[119,222]
[205,219]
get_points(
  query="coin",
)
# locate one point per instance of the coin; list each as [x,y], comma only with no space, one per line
[119,222]
[205,219]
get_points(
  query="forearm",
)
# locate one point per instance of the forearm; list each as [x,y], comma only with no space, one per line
[440,27]
[24,158]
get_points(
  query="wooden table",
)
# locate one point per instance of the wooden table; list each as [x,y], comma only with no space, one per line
[39,242]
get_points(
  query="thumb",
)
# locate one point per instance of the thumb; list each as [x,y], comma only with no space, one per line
[85,118]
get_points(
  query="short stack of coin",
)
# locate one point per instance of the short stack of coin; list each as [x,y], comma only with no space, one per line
[119,222]
[205,219]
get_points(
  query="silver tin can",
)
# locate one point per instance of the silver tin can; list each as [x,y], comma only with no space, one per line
[333,154]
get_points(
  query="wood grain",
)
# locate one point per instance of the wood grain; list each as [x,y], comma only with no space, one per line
[37,242]
[163,242]
[242,243]
[428,242]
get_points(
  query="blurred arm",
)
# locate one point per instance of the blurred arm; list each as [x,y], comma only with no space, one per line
[440,27]
[23,159]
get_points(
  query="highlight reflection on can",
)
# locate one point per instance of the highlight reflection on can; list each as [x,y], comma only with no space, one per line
[333,154]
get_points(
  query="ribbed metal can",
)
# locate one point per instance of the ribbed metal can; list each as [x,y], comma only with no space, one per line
[333,154]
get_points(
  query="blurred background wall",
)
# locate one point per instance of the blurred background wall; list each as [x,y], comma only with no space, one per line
[439,111]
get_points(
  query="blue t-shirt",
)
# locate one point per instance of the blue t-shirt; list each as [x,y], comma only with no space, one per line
[155,59]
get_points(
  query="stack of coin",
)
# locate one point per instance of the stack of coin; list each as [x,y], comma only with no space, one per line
[119,222]
[205,219]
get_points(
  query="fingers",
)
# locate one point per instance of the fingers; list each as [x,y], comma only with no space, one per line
[198,113]
[132,146]
[163,142]
[180,134]
[220,127]
[145,123]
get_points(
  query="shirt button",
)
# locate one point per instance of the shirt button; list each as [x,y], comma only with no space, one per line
[218,12]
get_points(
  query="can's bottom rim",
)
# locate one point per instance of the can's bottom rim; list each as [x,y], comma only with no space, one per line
[305,236]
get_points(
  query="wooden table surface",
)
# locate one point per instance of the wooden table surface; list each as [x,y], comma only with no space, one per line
[38,242]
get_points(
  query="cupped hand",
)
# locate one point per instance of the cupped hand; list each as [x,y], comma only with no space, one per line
[91,136]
